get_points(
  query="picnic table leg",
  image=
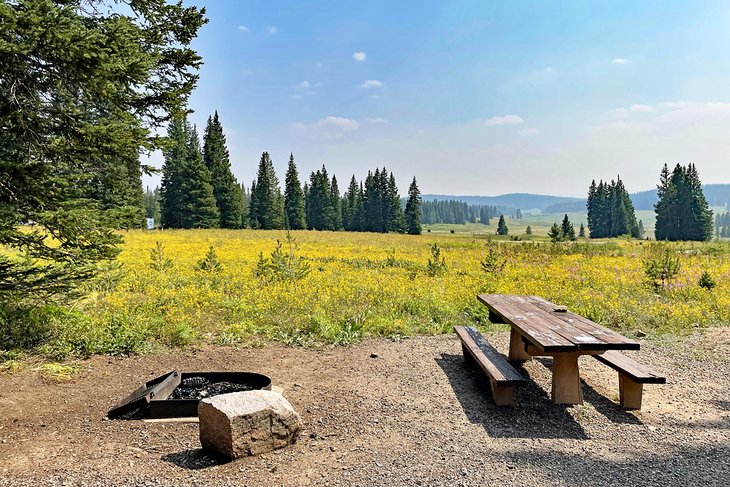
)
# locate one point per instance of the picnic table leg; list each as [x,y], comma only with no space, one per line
[517,352]
[566,381]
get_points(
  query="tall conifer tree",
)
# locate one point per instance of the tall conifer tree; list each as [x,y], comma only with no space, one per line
[267,202]
[225,187]
[199,209]
[413,209]
[294,198]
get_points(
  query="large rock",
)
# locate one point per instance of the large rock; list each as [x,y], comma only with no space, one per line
[247,423]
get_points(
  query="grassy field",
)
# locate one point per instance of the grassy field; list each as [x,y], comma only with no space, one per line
[341,287]
[539,223]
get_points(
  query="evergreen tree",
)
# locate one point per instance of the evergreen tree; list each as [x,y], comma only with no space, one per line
[267,203]
[335,205]
[582,231]
[502,226]
[610,210]
[359,216]
[294,198]
[83,86]
[198,206]
[682,210]
[349,206]
[320,214]
[641,230]
[555,233]
[413,209]
[225,187]
[172,190]
[566,228]
[394,219]
[528,230]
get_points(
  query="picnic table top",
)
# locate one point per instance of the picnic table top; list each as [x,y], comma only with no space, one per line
[553,328]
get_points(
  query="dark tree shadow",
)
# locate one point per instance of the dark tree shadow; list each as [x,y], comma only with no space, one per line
[195,459]
[533,416]
[610,409]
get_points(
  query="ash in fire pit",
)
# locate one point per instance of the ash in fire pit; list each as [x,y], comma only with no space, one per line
[199,388]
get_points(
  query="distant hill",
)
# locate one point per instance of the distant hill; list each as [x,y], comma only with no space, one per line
[716,194]
[522,201]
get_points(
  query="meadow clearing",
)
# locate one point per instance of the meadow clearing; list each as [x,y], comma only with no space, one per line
[341,287]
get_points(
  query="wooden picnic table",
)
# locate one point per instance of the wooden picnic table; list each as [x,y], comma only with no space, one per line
[541,328]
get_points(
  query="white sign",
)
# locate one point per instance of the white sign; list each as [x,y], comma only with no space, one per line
[150,223]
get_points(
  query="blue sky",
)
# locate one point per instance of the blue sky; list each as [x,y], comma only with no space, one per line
[471,97]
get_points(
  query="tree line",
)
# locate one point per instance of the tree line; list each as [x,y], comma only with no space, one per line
[610,210]
[722,225]
[459,212]
[199,191]
[682,212]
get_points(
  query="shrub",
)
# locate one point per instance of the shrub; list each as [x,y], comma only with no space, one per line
[706,281]
[436,264]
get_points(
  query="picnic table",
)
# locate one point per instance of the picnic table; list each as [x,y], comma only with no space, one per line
[541,328]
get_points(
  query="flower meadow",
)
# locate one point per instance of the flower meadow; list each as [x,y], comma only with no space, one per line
[330,288]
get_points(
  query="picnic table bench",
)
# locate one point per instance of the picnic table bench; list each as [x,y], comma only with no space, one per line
[541,328]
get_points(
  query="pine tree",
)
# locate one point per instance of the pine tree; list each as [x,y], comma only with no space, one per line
[225,187]
[349,206]
[528,230]
[394,220]
[335,205]
[83,87]
[294,198]
[641,229]
[555,233]
[582,231]
[199,208]
[267,202]
[413,209]
[172,190]
[502,226]
[320,213]
[682,210]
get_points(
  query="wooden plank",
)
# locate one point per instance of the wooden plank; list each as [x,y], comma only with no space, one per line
[631,368]
[493,364]
[612,339]
[529,321]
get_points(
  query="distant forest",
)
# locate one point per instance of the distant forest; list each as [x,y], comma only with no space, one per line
[716,194]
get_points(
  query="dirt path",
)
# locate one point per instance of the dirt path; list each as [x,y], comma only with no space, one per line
[411,416]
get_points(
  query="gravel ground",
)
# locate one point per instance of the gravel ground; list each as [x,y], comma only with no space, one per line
[385,413]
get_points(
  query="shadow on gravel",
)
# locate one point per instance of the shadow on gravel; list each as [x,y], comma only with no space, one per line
[722,404]
[196,459]
[705,465]
[533,415]
[611,410]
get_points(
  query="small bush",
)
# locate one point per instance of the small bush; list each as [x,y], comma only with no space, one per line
[209,263]
[436,264]
[158,260]
[706,281]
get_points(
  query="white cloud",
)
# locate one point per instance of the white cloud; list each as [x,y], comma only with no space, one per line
[296,96]
[303,85]
[331,127]
[528,132]
[549,69]
[619,60]
[623,112]
[375,97]
[271,30]
[371,83]
[243,28]
[376,120]
[505,120]
[359,56]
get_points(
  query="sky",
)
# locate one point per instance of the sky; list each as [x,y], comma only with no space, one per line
[470,97]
